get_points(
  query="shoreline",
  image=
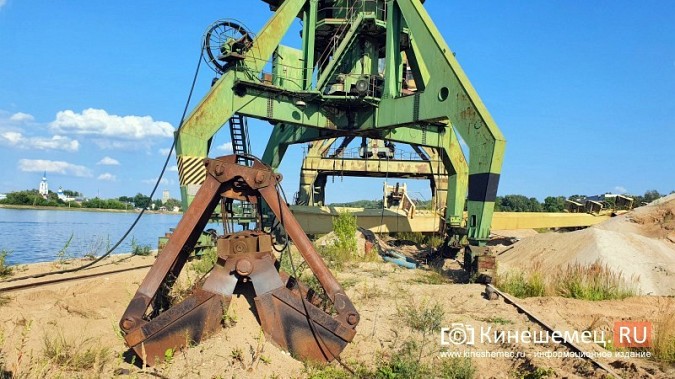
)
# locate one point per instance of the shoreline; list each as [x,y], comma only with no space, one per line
[72,262]
[47,208]
[76,259]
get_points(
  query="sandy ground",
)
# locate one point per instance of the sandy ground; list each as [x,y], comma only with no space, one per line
[85,313]
[637,244]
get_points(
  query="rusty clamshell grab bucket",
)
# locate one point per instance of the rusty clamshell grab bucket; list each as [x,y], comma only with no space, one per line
[286,308]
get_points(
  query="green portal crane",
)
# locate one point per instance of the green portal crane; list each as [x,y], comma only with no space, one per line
[350,78]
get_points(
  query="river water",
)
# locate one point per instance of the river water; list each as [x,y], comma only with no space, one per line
[31,235]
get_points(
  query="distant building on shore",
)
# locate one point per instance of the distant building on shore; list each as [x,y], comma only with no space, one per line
[165,196]
[3,196]
[44,187]
[65,197]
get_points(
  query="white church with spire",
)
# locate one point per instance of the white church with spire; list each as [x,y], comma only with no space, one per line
[44,187]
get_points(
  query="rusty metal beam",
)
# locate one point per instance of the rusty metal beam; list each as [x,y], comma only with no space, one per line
[378,168]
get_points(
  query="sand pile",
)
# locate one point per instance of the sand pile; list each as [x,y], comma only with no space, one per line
[658,219]
[637,244]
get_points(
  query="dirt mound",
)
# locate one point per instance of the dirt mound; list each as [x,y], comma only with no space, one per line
[657,219]
[635,244]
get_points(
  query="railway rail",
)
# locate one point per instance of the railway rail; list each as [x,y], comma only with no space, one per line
[490,289]
[25,286]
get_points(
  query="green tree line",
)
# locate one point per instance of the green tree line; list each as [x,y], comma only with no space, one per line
[516,203]
[33,198]
[368,204]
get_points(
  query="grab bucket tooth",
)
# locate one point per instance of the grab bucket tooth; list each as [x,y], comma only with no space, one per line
[300,327]
[187,323]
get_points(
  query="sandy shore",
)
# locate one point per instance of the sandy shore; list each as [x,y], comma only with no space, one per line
[84,314]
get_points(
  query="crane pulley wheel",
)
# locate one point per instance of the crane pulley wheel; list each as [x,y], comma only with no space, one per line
[225,41]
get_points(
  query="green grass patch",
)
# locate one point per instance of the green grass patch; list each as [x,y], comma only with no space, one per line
[344,227]
[3,373]
[315,371]
[75,356]
[457,368]
[290,258]
[416,237]
[204,263]
[406,363]
[498,320]
[594,282]
[432,277]
[141,250]
[420,239]
[520,284]
[664,339]
[343,249]
[335,257]
[402,364]
[5,269]
[412,358]
[63,257]
[369,292]
[585,282]
[348,283]
[538,373]
[424,317]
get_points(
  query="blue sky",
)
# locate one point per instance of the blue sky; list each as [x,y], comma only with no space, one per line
[583,91]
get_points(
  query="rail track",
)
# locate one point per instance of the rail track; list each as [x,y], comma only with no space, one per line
[489,288]
[24,286]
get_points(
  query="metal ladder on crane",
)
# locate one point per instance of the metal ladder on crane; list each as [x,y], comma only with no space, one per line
[241,145]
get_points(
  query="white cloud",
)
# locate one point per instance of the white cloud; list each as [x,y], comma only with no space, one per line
[107,161]
[16,139]
[164,181]
[173,168]
[2,3]
[20,116]
[54,143]
[127,145]
[59,167]
[107,177]
[10,121]
[164,152]
[98,122]
[226,147]
[620,190]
